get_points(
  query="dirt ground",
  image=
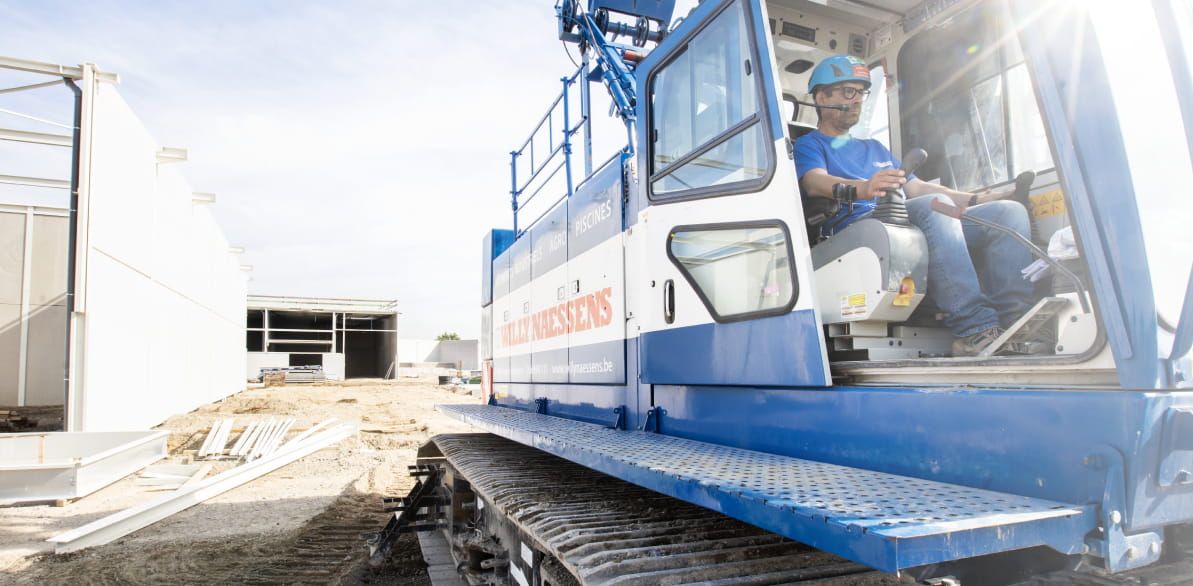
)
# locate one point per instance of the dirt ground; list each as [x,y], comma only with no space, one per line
[299,524]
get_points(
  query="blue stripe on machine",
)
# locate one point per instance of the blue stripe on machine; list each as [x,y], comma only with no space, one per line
[599,363]
[520,365]
[549,366]
[594,211]
[591,403]
[773,351]
[603,362]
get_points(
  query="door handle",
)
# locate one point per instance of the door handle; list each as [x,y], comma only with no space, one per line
[669,301]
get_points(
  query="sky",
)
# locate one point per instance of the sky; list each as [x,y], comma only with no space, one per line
[357,148]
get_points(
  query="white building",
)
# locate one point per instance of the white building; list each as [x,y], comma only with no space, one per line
[348,338]
[120,298]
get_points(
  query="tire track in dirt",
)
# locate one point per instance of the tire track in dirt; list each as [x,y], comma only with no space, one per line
[329,549]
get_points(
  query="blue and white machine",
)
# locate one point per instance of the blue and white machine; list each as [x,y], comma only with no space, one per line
[668,321]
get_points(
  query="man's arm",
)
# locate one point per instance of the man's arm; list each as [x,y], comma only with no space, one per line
[818,183]
[916,188]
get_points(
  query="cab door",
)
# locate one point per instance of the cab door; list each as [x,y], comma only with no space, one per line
[724,294]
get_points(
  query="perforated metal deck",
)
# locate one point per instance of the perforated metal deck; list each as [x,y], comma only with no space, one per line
[885,521]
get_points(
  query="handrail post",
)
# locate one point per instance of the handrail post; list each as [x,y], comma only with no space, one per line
[567,135]
[514,188]
[586,111]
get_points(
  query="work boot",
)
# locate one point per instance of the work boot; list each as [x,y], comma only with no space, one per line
[1040,342]
[1033,347]
[973,344]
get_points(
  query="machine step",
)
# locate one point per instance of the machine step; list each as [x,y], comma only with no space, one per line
[1028,326]
[885,521]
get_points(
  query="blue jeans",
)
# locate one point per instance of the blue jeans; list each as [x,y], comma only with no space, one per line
[974,271]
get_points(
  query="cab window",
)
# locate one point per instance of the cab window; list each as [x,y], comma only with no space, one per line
[706,127]
[966,98]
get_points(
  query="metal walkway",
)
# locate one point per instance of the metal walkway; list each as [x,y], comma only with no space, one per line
[603,531]
[885,521]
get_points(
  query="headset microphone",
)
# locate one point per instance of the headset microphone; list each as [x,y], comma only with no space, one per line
[841,107]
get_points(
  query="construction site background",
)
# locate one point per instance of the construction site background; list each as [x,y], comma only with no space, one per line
[302,521]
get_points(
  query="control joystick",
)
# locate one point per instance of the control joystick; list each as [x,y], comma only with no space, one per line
[892,205]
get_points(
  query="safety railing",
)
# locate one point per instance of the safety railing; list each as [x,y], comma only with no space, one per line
[559,133]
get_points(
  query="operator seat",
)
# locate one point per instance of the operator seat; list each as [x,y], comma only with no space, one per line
[794,128]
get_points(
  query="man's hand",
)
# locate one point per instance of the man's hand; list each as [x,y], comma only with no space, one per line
[881,182]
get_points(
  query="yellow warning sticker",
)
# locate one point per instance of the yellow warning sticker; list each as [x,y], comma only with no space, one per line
[1047,204]
[853,304]
[906,293]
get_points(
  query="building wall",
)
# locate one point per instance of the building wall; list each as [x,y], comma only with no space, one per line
[465,353]
[462,352]
[333,363]
[12,263]
[418,350]
[33,243]
[160,328]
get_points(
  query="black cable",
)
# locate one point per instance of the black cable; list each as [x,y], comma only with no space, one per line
[569,54]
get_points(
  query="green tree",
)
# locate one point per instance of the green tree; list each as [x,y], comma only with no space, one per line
[447,336]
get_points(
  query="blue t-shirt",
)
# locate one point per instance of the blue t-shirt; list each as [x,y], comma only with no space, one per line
[845,157]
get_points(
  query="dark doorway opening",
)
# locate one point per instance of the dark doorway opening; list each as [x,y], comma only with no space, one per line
[306,360]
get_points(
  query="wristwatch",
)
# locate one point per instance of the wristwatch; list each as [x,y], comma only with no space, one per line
[973,200]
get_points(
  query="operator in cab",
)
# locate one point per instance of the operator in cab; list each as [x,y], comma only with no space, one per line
[973,272]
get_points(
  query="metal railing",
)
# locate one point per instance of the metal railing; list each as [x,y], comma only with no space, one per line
[559,134]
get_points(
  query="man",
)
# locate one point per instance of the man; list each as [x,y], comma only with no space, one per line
[974,272]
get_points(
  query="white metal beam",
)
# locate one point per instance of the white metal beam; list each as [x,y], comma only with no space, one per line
[129,520]
[171,155]
[35,181]
[51,69]
[36,137]
[26,292]
[32,86]
[35,210]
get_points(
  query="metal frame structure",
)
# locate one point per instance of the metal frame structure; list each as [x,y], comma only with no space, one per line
[127,521]
[114,244]
[342,310]
[68,75]
[89,75]
[613,67]
[52,466]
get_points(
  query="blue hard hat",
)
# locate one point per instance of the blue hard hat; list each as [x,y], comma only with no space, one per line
[839,68]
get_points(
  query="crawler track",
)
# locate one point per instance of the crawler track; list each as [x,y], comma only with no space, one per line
[602,530]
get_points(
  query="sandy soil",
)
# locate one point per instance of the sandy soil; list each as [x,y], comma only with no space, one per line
[301,523]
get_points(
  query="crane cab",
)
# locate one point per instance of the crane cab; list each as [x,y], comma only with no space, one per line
[721,107]
[956,84]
